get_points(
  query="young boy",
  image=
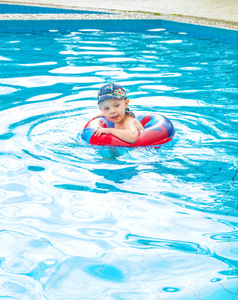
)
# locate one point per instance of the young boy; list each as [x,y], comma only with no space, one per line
[113,103]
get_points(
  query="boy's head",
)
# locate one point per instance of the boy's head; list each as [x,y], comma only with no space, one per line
[111,91]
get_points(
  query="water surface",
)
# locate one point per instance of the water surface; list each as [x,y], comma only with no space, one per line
[85,222]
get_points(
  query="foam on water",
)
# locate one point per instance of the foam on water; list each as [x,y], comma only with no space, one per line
[86,222]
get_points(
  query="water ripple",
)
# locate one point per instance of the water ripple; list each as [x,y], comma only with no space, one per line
[182,246]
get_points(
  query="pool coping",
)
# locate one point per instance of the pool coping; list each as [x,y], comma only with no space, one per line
[112,21]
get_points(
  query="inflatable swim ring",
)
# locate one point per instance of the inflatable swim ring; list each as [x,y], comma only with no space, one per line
[157,130]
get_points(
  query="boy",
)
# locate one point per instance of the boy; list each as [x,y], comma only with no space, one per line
[113,103]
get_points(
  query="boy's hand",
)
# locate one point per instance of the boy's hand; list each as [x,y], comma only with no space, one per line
[101,130]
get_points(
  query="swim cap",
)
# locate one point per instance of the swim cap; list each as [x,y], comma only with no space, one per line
[111,91]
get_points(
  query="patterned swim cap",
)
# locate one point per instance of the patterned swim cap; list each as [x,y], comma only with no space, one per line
[111,91]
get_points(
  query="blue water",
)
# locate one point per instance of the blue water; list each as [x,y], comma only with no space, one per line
[84,222]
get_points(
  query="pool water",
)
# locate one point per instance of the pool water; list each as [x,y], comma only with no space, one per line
[86,222]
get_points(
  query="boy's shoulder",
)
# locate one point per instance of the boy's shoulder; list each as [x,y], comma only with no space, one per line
[129,118]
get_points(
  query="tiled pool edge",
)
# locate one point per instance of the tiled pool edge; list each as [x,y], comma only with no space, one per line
[198,31]
[29,9]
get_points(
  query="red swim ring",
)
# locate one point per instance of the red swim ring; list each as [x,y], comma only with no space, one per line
[157,130]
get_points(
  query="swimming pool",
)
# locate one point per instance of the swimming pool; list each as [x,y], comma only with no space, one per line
[83,222]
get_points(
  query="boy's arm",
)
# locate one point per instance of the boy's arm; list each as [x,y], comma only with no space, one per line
[129,134]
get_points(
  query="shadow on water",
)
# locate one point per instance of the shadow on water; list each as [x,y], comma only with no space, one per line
[119,175]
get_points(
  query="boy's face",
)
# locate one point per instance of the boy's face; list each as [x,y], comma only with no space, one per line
[114,109]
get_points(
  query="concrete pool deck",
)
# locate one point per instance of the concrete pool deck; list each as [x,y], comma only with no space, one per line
[215,13]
